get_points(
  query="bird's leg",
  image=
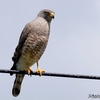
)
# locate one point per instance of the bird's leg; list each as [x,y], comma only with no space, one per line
[38,70]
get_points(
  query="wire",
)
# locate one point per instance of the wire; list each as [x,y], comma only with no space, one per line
[52,74]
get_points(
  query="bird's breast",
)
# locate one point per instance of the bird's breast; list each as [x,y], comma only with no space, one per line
[35,43]
[33,48]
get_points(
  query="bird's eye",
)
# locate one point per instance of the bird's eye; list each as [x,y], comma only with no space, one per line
[46,13]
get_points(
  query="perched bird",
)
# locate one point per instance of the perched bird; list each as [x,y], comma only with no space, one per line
[31,46]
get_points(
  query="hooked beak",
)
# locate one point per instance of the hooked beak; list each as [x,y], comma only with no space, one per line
[52,15]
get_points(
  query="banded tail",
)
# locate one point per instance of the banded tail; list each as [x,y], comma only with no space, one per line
[17,84]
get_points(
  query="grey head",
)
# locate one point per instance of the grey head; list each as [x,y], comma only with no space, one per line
[46,14]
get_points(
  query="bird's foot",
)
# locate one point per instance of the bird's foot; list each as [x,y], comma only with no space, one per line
[29,71]
[38,70]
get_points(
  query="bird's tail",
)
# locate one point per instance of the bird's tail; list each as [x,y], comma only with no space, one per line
[17,84]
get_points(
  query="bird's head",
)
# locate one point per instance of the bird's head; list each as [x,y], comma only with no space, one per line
[46,14]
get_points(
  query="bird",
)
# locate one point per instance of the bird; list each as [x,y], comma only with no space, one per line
[32,44]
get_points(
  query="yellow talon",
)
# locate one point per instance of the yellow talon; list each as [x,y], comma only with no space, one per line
[28,71]
[40,71]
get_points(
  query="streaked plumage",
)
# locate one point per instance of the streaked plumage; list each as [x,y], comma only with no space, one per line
[32,44]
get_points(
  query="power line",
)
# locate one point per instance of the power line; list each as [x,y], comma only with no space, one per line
[52,74]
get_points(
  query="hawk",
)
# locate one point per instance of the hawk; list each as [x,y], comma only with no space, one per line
[31,46]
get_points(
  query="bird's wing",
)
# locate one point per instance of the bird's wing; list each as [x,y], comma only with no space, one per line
[19,47]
